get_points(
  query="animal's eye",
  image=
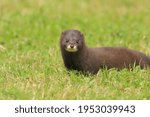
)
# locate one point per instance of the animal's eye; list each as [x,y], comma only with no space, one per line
[77,42]
[67,41]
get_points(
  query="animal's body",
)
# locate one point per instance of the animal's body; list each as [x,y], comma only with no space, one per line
[77,56]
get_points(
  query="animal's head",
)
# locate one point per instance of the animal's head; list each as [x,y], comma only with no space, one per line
[72,40]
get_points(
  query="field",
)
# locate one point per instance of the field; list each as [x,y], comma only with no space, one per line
[31,66]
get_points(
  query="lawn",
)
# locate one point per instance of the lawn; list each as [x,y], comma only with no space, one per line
[31,66]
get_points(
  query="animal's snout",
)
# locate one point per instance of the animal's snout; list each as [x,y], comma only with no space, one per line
[71,46]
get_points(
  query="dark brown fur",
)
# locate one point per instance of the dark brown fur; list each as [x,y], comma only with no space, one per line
[92,59]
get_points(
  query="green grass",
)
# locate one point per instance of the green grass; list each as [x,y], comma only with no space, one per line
[31,66]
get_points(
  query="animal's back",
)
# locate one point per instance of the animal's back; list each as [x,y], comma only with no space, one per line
[119,57]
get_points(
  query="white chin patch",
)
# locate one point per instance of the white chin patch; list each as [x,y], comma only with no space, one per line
[69,49]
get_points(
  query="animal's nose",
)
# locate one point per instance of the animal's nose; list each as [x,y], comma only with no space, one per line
[71,46]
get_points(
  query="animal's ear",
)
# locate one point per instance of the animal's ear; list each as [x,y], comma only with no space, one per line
[62,33]
[82,35]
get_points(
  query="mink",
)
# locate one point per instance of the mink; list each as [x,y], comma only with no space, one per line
[77,56]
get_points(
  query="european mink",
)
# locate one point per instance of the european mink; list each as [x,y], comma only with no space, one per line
[77,56]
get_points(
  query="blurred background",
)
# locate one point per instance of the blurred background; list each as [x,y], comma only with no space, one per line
[104,22]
